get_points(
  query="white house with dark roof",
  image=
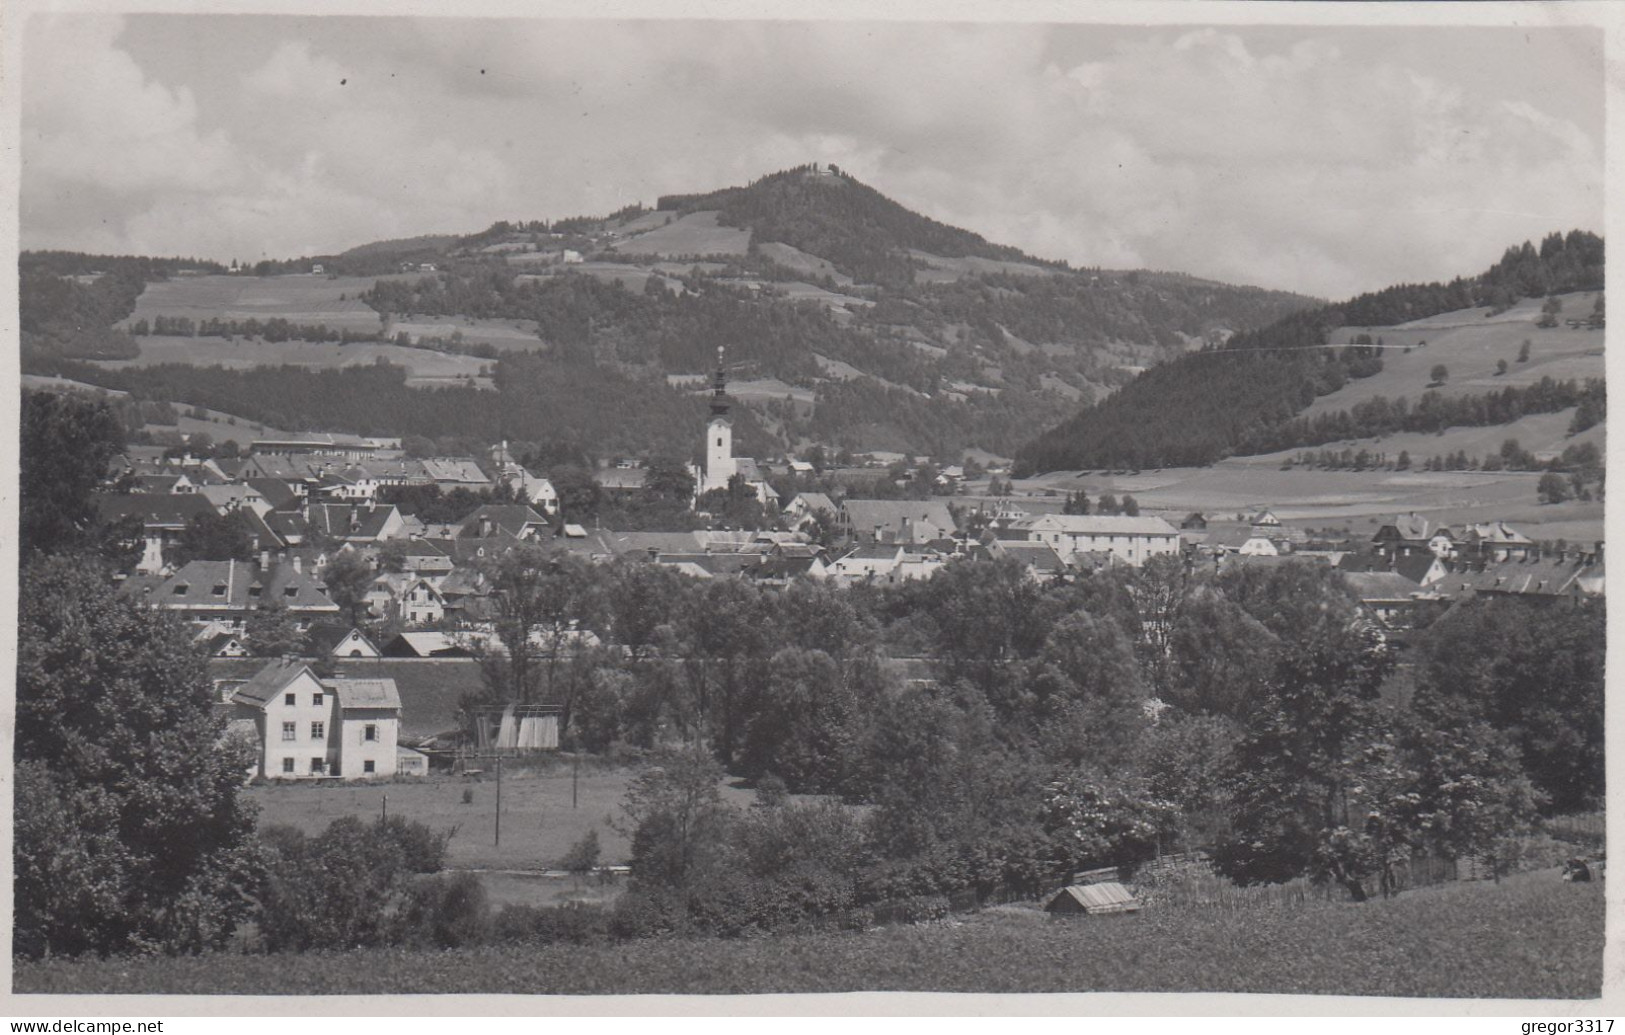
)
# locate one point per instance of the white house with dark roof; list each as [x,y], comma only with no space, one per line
[310,728]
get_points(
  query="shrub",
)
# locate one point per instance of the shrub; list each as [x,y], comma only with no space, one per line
[583,855]
[448,911]
[771,792]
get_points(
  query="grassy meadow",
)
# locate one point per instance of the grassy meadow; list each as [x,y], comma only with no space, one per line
[694,234]
[538,823]
[1468,342]
[1531,936]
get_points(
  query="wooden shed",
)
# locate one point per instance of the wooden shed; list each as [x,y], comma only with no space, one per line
[1093,900]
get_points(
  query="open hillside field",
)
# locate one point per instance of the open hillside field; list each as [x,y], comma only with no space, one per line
[427,367]
[220,427]
[297,298]
[791,257]
[1358,499]
[538,824]
[1468,344]
[50,383]
[693,234]
[504,335]
[1532,936]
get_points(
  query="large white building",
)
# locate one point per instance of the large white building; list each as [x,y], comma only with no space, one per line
[1133,540]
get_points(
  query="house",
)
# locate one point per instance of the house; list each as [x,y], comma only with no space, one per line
[455,473]
[1496,541]
[526,486]
[1413,533]
[353,522]
[418,602]
[885,563]
[1394,600]
[1421,569]
[163,519]
[1194,522]
[310,728]
[235,496]
[895,521]
[512,520]
[807,506]
[332,640]
[1041,561]
[1133,540]
[1264,519]
[220,640]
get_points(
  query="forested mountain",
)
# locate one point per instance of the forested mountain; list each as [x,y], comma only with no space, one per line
[1245,396]
[848,320]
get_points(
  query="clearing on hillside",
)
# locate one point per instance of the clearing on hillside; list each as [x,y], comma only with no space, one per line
[1468,343]
[426,366]
[297,298]
[694,234]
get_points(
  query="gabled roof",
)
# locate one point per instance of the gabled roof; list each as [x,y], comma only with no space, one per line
[240,585]
[270,680]
[335,519]
[324,637]
[865,515]
[156,510]
[1496,533]
[513,519]
[460,470]
[1098,524]
[1382,585]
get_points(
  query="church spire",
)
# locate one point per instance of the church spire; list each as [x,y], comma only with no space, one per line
[719,395]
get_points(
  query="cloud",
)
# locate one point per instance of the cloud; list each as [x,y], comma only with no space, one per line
[1318,160]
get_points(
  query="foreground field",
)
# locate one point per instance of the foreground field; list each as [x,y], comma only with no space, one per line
[1530,937]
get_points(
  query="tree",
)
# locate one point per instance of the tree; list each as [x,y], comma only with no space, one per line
[348,578]
[1523,351]
[214,537]
[1533,673]
[667,478]
[1404,461]
[1131,506]
[1552,488]
[272,632]
[66,443]
[116,724]
[1439,374]
[543,598]
[580,495]
[1500,367]
[674,814]
[1107,504]
[1315,766]
[1076,503]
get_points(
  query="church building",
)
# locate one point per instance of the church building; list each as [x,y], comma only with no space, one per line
[720,465]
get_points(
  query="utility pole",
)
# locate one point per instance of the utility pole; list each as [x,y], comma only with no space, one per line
[575,779]
[385,817]
[499,800]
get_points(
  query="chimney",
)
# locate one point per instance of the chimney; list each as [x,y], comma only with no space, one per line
[355,517]
[265,559]
[298,565]
[485,527]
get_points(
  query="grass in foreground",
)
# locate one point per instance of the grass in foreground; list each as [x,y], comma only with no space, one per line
[1530,937]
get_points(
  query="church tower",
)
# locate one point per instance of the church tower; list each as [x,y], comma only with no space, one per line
[719,436]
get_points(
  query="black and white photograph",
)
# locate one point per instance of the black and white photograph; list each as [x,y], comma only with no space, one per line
[753,501]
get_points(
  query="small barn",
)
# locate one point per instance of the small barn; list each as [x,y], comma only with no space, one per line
[1092,900]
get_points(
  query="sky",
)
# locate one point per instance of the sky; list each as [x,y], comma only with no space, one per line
[1326,160]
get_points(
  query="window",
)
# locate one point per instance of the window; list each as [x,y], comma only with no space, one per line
[287,765]
[316,699]
[719,443]
[318,765]
[290,699]
[318,730]
[290,591]
[219,589]
[181,589]
[369,766]
[370,733]
[290,731]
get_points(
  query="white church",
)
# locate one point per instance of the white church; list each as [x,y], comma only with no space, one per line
[720,465]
